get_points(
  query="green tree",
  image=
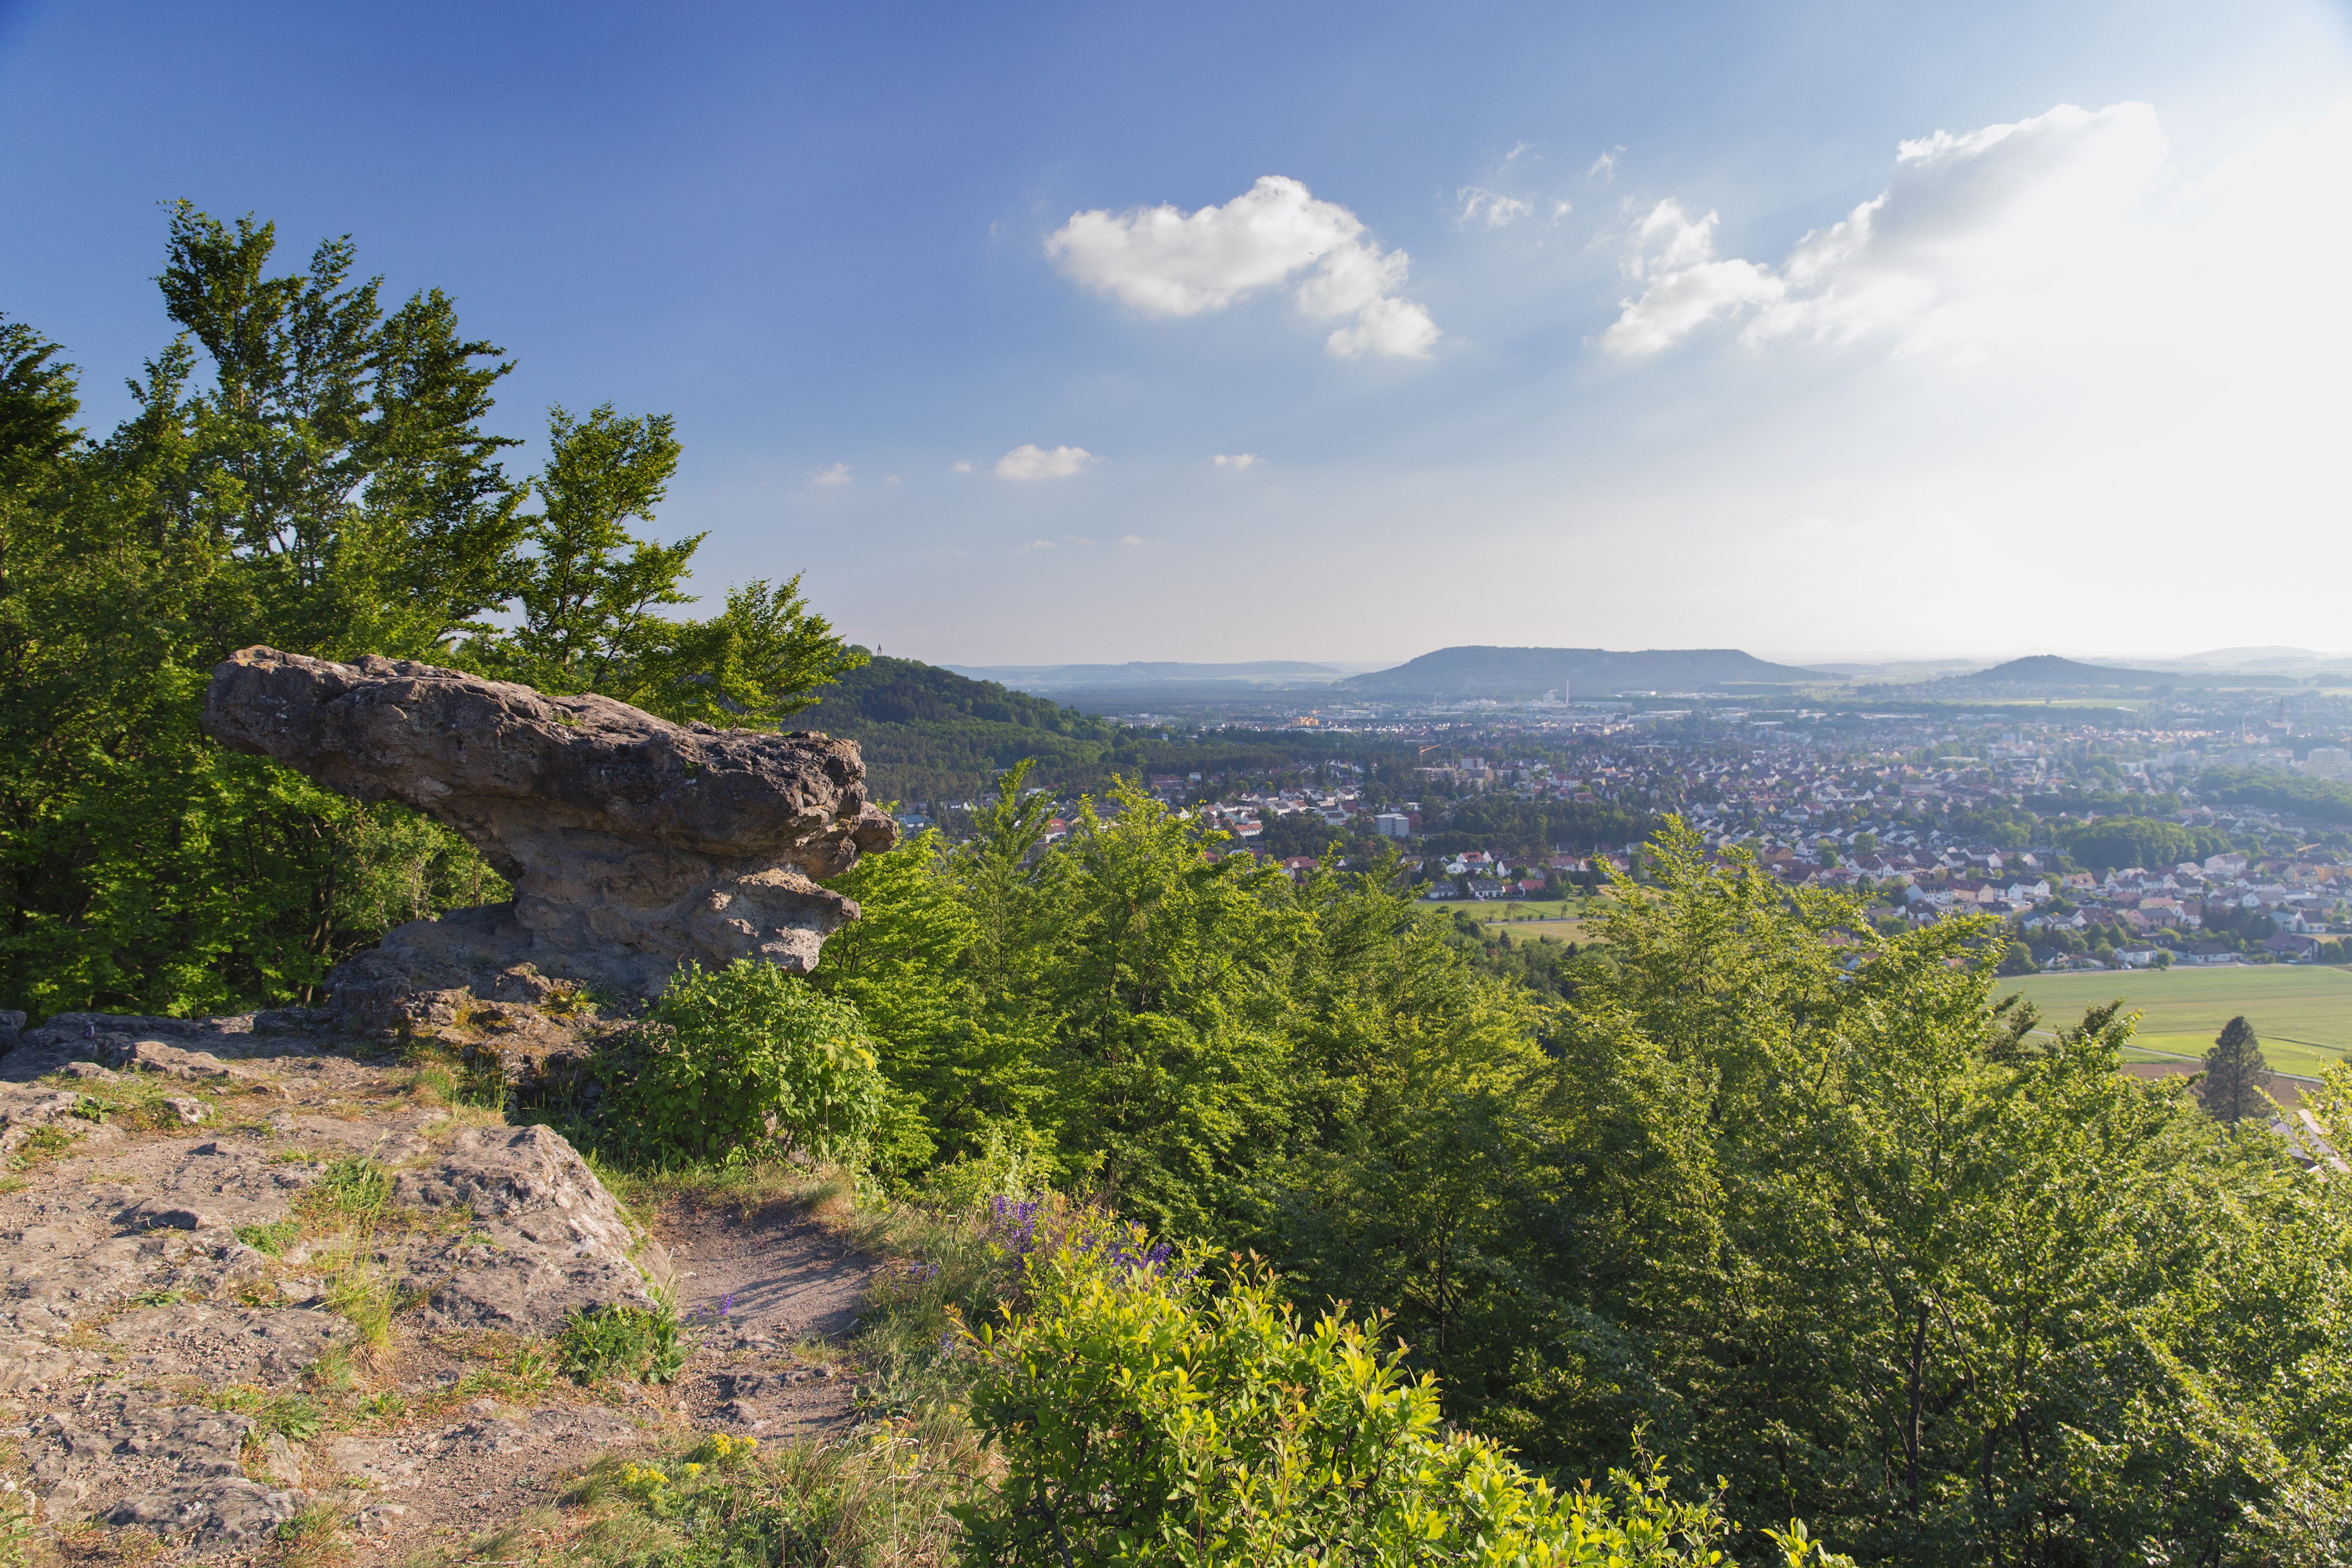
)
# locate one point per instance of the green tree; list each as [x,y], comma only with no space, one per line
[2235,1073]
[1787,1194]
[307,468]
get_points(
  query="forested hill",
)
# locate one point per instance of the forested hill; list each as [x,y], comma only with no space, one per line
[1480,672]
[930,734]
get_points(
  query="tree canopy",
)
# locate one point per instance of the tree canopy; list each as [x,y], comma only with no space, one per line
[309,466]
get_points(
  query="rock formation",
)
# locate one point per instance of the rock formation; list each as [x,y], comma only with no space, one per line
[185,1290]
[633,845]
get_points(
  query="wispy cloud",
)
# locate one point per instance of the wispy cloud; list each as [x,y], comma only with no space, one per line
[836,473]
[1237,460]
[1493,208]
[960,466]
[1605,168]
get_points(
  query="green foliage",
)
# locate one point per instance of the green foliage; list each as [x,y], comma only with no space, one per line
[1530,827]
[1120,1009]
[350,1192]
[2112,843]
[591,595]
[617,1340]
[288,1416]
[2235,1073]
[2321,799]
[735,1061]
[1996,824]
[1805,1213]
[309,466]
[930,734]
[730,1502]
[1143,1416]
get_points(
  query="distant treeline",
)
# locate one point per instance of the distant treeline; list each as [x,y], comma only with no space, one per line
[931,735]
[2318,800]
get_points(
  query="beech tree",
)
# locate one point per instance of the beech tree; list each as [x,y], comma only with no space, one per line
[310,466]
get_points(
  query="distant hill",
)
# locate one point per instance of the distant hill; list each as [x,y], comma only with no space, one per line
[1143,672]
[930,734]
[1589,672]
[2050,670]
[2049,675]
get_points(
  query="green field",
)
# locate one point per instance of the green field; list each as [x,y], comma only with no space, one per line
[1560,918]
[2303,1015]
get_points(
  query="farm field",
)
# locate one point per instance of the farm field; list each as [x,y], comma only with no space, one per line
[2303,1014]
[1560,918]
[1526,930]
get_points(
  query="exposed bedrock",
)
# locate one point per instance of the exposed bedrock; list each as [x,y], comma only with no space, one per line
[633,845]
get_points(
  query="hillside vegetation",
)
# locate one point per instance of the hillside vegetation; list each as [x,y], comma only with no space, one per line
[930,734]
[1274,1220]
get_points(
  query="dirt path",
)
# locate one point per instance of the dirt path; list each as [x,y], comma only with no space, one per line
[160,1296]
[777,1274]
[771,1297]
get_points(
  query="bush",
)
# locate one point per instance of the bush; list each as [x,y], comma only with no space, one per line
[1143,1416]
[747,1056]
[617,1341]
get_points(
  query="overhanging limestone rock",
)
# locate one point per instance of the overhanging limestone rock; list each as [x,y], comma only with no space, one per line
[633,845]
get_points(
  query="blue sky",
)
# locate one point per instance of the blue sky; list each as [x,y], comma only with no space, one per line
[1527,343]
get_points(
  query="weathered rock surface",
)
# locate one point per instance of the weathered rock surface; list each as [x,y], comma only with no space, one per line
[633,845]
[173,1469]
[545,1238]
[168,1292]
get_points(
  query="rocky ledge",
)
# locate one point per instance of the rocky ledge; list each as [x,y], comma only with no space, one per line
[247,1274]
[633,845]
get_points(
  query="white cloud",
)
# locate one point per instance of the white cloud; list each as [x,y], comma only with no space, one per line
[960,466]
[1031,461]
[1605,168]
[1080,540]
[1237,460]
[1133,541]
[1164,262]
[1978,240]
[838,474]
[1689,288]
[1493,208]
[1396,328]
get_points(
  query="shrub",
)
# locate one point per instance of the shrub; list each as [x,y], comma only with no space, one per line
[1143,1416]
[619,1340]
[731,1059]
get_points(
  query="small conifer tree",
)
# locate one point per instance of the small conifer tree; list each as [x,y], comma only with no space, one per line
[2235,1073]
